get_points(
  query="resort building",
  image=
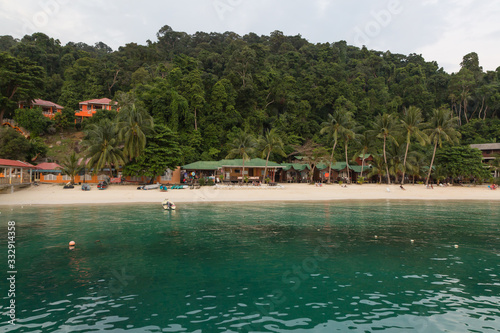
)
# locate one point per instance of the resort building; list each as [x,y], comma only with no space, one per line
[15,173]
[490,151]
[232,170]
[90,107]
[49,109]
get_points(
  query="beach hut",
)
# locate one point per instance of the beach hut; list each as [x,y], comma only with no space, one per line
[15,173]
[295,172]
[231,170]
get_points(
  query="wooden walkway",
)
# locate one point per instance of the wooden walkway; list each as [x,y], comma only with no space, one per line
[12,187]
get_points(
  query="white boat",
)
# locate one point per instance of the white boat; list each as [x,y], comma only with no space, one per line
[168,205]
[151,187]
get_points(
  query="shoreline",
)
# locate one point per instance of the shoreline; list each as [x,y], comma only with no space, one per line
[55,195]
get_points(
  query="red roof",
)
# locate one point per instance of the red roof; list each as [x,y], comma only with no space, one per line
[48,166]
[41,102]
[106,101]
[17,164]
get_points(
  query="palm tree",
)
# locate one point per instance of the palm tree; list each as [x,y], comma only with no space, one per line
[102,146]
[365,142]
[270,143]
[348,134]
[133,125]
[70,166]
[385,127]
[334,127]
[395,156]
[377,167]
[243,146]
[442,126]
[415,165]
[412,123]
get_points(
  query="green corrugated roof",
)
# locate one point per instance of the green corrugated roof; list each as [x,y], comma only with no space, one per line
[254,162]
[214,165]
[202,165]
[357,168]
[295,166]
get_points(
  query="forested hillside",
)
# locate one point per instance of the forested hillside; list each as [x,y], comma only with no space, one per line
[207,86]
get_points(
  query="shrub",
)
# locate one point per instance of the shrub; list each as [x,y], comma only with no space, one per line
[201,181]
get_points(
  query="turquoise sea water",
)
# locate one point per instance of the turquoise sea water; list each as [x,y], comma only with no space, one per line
[290,267]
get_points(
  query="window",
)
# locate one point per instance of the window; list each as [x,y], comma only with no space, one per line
[50,177]
[66,177]
[167,176]
[102,177]
[236,170]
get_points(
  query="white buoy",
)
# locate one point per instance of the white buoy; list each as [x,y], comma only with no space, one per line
[456,246]
[412,241]
[376,236]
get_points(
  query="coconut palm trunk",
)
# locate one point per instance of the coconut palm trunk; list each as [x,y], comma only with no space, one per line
[406,156]
[432,162]
[347,160]
[330,164]
[265,169]
[386,165]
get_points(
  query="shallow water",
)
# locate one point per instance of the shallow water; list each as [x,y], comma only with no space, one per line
[291,267]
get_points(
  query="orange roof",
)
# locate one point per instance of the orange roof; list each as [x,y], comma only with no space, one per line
[106,101]
[41,102]
[17,164]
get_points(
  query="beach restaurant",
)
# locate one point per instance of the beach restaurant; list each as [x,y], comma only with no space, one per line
[232,170]
[15,172]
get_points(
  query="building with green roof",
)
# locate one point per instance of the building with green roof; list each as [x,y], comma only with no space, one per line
[232,170]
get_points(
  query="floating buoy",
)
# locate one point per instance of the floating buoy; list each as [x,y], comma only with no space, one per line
[376,236]
[412,241]
[456,246]
[72,243]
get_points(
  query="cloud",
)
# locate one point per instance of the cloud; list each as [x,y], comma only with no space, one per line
[443,30]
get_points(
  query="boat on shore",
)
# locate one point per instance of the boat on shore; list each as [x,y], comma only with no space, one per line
[102,185]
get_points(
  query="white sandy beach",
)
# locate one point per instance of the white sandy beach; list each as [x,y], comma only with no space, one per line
[48,194]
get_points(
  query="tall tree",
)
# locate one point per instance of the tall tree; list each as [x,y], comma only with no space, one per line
[334,127]
[70,166]
[103,146]
[412,123]
[133,125]
[386,128]
[441,127]
[271,142]
[365,143]
[162,152]
[243,146]
[20,80]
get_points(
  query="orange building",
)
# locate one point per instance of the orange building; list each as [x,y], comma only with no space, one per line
[49,109]
[90,107]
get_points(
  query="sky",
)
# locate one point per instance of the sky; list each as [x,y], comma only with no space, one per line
[442,31]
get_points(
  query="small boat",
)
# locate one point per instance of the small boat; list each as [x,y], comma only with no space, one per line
[102,185]
[151,187]
[85,187]
[168,205]
[68,185]
[163,188]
